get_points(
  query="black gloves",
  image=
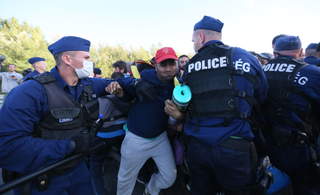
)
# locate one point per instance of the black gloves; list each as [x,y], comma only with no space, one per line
[143,87]
[83,141]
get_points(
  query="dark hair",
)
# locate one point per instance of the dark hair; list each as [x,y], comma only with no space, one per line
[183,56]
[253,53]
[26,72]
[277,37]
[116,75]
[121,65]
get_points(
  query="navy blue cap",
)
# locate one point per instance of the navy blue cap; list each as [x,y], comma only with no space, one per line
[312,46]
[69,43]
[96,71]
[287,43]
[35,59]
[209,23]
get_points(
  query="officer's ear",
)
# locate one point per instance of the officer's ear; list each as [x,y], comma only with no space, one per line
[202,38]
[300,53]
[66,59]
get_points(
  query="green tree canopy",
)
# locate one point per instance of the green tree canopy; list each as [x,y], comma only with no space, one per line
[22,42]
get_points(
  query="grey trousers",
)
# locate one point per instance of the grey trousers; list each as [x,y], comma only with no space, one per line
[135,151]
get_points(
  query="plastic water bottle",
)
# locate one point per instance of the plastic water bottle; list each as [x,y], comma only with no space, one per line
[97,124]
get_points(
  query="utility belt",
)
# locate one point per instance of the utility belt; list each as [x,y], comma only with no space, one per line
[43,181]
[307,176]
[282,137]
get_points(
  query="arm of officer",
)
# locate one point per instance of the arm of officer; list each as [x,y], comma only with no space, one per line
[172,110]
[20,150]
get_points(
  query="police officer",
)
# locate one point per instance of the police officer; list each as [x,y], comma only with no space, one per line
[311,54]
[290,115]
[223,82]
[39,65]
[48,118]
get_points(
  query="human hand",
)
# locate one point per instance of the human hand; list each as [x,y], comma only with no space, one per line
[143,87]
[172,110]
[14,77]
[115,88]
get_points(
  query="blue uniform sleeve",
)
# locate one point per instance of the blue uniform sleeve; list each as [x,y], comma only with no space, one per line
[249,63]
[308,81]
[25,105]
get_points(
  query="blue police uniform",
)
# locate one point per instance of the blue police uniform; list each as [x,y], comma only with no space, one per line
[312,60]
[289,123]
[22,153]
[31,74]
[212,166]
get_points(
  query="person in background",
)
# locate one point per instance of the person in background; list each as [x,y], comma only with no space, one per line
[10,80]
[114,113]
[39,65]
[290,115]
[97,73]
[264,58]
[120,66]
[182,61]
[311,54]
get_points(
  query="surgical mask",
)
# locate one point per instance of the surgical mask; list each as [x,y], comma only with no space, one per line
[85,71]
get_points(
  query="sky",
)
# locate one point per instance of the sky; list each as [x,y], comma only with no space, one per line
[249,24]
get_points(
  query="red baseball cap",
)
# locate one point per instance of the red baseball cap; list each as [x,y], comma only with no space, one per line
[165,53]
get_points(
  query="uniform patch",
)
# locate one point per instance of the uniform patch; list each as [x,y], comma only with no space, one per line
[63,120]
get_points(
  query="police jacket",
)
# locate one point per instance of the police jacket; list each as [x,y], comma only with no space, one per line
[26,105]
[223,82]
[312,60]
[292,102]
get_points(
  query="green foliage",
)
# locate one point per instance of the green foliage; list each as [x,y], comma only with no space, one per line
[22,42]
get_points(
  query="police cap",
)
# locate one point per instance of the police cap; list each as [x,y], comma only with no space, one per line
[312,46]
[96,71]
[69,43]
[35,59]
[318,47]
[287,43]
[209,23]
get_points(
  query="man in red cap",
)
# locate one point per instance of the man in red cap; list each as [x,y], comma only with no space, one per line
[145,131]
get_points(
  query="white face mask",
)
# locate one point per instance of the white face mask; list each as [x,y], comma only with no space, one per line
[86,70]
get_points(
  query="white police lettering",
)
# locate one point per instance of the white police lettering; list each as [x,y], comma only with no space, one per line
[279,67]
[301,80]
[63,120]
[208,64]
[244,66]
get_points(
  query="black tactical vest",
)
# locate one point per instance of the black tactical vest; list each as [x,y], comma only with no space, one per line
[66,117]
[281,73]
[211,78]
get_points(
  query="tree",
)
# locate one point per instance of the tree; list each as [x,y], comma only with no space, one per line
[22,42]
